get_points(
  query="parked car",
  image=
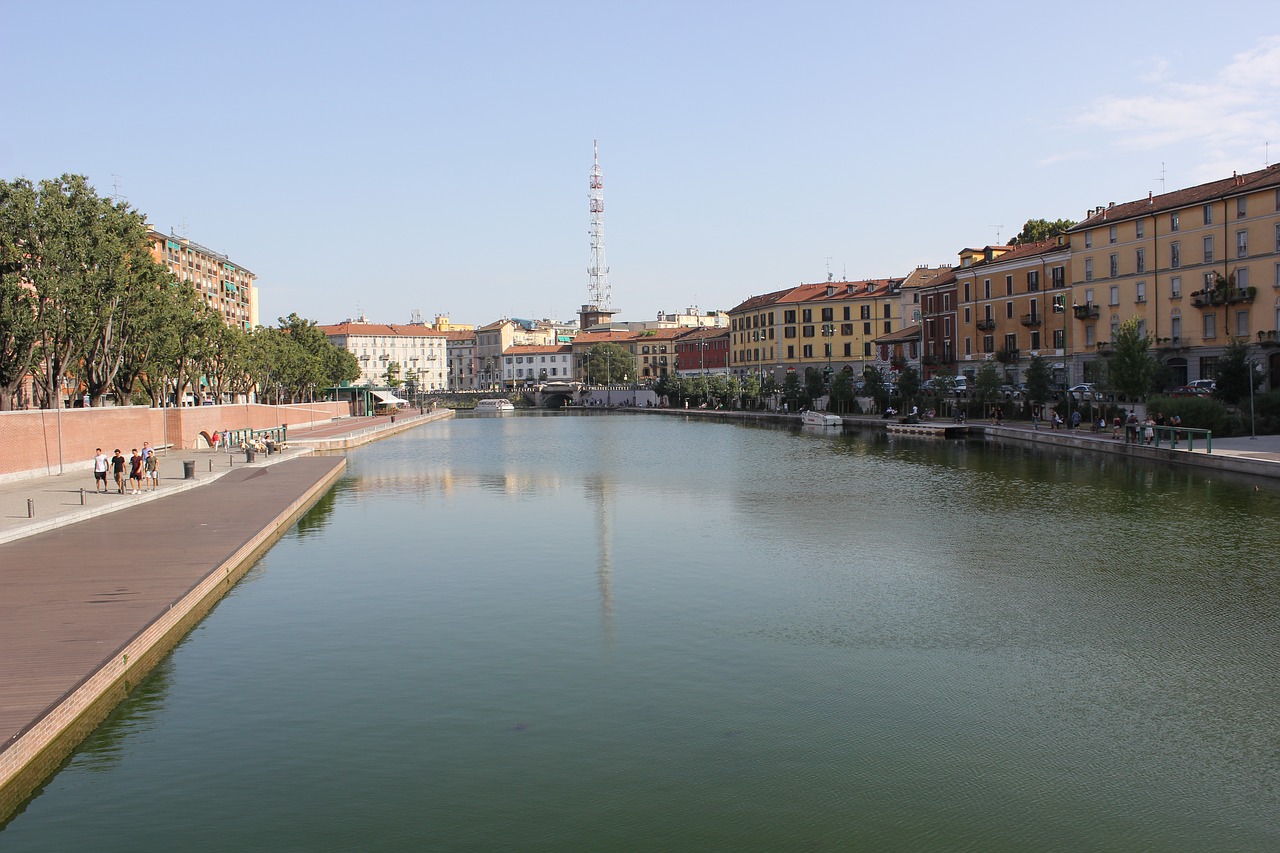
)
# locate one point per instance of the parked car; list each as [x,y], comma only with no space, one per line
[1085,391]
[1208,385]
[1189,391]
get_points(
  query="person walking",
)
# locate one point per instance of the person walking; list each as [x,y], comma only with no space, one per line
[135,472]
[101,462]
[117,470]
[149,470]
[1075,420]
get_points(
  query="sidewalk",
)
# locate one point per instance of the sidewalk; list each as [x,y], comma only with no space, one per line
[57,501]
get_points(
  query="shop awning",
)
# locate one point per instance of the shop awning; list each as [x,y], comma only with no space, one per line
[389,398]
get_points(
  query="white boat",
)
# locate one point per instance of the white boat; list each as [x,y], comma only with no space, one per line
[820,419]
[495,406]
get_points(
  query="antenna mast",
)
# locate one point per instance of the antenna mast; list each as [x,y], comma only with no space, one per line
[598,271]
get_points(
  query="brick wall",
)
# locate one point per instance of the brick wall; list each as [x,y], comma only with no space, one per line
[36,442]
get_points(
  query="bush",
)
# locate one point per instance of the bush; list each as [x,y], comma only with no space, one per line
[1196,412]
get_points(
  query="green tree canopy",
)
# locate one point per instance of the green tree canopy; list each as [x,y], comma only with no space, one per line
[1034,230]
[1131,366]
[1039,380]
[1235,374]
[606,364]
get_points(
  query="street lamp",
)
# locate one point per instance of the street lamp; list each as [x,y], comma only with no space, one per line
[828,330]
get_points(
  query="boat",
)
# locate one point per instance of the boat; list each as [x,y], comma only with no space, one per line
[820,419]
[497,405]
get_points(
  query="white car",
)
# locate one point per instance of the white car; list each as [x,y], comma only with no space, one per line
[1085,391]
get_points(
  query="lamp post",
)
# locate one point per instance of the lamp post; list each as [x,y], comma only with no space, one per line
[1253,430]
[828,330]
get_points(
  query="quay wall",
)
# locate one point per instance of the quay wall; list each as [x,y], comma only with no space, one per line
[374,433]
[40,442]
[41,749]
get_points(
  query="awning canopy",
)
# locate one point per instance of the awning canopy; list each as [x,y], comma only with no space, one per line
[389,398]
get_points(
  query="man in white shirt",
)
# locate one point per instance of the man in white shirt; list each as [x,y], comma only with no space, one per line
[100,464]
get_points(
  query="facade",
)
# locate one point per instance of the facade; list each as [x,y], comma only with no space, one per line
[586,340]
[460,360]
[226,287]
[702,351]
[1197,267]
[418,350]
[1010,307]
[829,326]
[529,365]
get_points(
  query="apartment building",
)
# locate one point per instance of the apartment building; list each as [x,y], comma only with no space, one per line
[1011,307]
[224,286]
[528,365]
[419,351]
[701,351]
[460,359]
[1198,268]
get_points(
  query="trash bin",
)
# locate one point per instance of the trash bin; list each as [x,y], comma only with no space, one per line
[188,469]
[249,453]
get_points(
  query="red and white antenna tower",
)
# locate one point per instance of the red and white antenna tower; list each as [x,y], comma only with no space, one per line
[598,271]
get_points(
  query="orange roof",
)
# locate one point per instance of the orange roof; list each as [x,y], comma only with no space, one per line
[536,349]
[382,329]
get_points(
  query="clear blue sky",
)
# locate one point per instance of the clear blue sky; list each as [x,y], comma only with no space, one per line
[435,155]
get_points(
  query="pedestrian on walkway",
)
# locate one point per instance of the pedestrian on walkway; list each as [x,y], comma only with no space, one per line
[1115,427]
[1075,420]
[100,464]
[117,469]
[135,472]
[149,468]
[1057,419]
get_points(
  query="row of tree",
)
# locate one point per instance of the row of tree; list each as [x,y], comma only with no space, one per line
[85,307]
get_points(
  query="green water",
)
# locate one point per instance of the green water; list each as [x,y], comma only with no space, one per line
[628,632]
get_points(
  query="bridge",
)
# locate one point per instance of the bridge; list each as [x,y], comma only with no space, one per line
[556,395]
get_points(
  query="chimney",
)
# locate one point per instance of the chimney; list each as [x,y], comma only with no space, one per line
[1150,198]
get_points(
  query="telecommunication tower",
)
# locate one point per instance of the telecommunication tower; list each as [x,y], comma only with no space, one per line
[598,271]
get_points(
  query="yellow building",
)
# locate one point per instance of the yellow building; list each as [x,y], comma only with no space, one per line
[1161,260]
[226,287]
[1006,298]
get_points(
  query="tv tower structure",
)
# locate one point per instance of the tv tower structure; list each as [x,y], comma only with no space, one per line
[598,271]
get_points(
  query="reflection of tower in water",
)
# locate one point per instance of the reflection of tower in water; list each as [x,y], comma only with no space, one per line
[600,490]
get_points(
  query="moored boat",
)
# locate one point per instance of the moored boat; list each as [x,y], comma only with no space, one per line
[496,405]
[820,419]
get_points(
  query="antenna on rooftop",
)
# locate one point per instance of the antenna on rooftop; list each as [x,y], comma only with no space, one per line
[998,228]
[115,195]
[828,259]
[1161,178]
[598,270]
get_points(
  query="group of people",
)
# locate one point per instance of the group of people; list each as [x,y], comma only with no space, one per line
[143,474]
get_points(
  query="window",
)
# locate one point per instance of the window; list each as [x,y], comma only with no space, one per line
[1242,277]
[1276,283]
[1010,343]
[968,346]
[988,343]
[888,312]
[865,312]
[1088,296]
[1175,287]
[1142,291]
[1059,339]
[866,328]
[1139,229]
[1240,208]
[806,316]
[968,312]
[828,314]
[1115,295]
[847,315]
[1242,244]
[1208,250]
[827,350]
[807,351]
[1113,264]
[1111,234]
[1175,255]
[846,329]
[946,302]
[789,332]
[1008,310]
[1088,239]
[848,350]
[1088,269]
[1175,328]
[1115,326]
[1242,324]
[1208,214]
[969,298]
[1033,281]
[1059,276]
[1140,260]
[866,349]
[986,288]
[1278,238]
[806,331]
[1090,335]
[1210,325]
[791,352]
[789,316]
[1008,285]
[1173,221]
[888,326]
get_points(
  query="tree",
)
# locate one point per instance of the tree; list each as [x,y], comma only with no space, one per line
[1235,374]
[874,386]
[608,363]
[909,383]
[814,385]
[1039,381]
[751,389]
[1131,366]
[792,391]
[392,375]
[987,382]
[1034,230]
[19,304]
[842,391]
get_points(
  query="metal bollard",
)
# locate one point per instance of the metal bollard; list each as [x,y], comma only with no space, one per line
[82,497]
[210,465]
[31,508]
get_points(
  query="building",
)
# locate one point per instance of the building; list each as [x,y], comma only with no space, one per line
[586,340]
[1197,268]
[416,353]
[460,360]
[529,365]
[1007,297]
[224,286]
[701,351]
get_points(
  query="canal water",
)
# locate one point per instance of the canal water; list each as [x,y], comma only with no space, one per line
[627,632]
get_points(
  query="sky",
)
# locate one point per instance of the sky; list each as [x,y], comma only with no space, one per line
[386,157]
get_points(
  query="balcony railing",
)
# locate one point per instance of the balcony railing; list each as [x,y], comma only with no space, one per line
[1269,339]
[1222,296]
[1087,311]
[986,325]
[1031,320]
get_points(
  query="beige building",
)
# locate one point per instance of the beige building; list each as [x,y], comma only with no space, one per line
[1197,267]
[419,351]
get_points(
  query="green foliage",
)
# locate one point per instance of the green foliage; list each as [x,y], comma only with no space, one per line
[874,386]
[606,364]
[1039,380]
[909,382]
[1034,230]
[1131,366]
[842,391]
[814,384]
[1196,412]
[987,382]
[792,391]
[1234,374]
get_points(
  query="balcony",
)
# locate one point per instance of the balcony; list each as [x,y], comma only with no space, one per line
[1087,311]
[1007,355]
[1269,339]
[1031,321]
[1222,296]
[1169,344]
[986,325]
